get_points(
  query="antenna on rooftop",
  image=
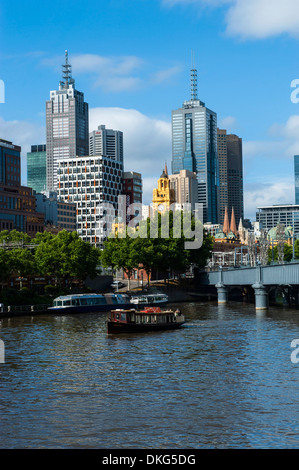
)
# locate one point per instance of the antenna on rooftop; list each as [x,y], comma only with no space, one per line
[67,71]
[193,78]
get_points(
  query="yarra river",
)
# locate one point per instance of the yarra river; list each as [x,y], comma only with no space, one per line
[225,380]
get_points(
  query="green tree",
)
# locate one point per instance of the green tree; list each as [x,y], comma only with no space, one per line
[65,256]
[22,263]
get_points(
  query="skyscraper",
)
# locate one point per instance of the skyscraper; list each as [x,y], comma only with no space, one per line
[66,124]
[194,148]
[107,142]
[37,168]
[296,168]
[235,176]
[185,187]
[230,175]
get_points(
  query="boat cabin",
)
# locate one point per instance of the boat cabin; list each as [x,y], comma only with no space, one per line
[146,316]
[79,300]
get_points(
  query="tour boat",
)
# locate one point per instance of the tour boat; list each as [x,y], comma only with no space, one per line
[149,300]
[85,303]
[147,319]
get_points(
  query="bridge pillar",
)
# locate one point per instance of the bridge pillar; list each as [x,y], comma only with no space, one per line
[222,291]
[261,296]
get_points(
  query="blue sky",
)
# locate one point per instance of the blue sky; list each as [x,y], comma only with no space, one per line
[131,58]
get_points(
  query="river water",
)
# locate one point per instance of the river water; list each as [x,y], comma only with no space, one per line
[225,380]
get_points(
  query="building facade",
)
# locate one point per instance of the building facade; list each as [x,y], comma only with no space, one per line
[58,213]
[132,189]
[184,185]
[90,182]
[286,214]
[194,148]
[66,125]
[17,203]
[164,195]
[235,176]
[230,156]
[107,142]
[37,168]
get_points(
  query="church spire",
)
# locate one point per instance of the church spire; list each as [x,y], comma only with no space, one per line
[226,222]
[233,227]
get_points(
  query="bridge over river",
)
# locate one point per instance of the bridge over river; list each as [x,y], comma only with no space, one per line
[262,279]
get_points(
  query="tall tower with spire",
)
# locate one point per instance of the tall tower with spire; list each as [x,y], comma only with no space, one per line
[194,148]
[66,124]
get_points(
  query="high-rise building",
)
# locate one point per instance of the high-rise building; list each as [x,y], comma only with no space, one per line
[107,142]
[296,168]
[194,148]
[66,124]
[235,176]
[88,182]
[37,168]
[184,184]
[230,175]
[132,189]
[17,203]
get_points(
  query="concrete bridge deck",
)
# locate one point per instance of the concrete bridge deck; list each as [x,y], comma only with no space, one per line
[260,278]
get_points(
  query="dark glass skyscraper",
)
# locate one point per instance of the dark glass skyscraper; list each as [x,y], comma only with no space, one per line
[194,148]
[230,158]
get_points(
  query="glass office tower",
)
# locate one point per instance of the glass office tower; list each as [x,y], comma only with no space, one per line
[194,148]
[66,125]
[37,168]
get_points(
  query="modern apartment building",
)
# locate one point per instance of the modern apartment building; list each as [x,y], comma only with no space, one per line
[90,182]
[66,125]
[107,142]
[194,148]
[37,168]
[230,157]
[17,203]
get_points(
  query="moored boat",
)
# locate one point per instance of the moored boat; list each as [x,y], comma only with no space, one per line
[147,319]
[146,300]
[86,303]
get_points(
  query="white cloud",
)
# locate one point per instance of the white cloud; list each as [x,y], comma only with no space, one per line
[115,74]
[253,19]
[24,134]
[263,18]
[275,191]
[229,123]
[147,142]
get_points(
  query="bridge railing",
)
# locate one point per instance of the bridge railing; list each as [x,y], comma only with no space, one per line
[278,274]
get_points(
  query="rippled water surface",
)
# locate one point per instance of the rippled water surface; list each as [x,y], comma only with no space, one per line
[225,380]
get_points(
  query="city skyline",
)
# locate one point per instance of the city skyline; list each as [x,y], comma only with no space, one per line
[132,84]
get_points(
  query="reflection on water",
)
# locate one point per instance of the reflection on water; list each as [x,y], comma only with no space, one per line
[225,380]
